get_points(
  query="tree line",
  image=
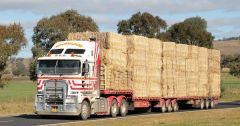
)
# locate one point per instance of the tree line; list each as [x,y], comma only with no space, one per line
[232,62]
[192,31]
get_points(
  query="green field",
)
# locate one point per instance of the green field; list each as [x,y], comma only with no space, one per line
[18,89]
[17,97]
[230,88]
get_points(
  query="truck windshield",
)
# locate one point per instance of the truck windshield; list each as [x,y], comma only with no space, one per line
[59,67]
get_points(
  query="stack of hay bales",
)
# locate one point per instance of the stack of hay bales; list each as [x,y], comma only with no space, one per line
[154,67]
[203,87]
[113,51]
[169,66]
[181,59]
[214,72]
[192,71]
[137,64]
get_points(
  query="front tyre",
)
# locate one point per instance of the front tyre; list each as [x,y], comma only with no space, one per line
[124,107]
[85,110]
[114,108]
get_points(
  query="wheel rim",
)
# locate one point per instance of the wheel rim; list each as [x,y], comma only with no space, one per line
[123,107]
[175,107]
[114,108]
[84,110]
[201,104]
[169,107]
[207,104]
[212,104]
[163,107]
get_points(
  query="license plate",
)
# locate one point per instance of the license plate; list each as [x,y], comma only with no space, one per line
[54,109]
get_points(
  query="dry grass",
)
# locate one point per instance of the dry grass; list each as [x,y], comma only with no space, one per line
[217,117]
[13,108]
[18,97]
[228,47]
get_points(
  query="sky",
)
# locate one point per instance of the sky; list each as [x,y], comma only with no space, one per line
[222,16]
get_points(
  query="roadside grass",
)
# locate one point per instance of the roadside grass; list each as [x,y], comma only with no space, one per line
[214,117]
[17,97]
[230,88]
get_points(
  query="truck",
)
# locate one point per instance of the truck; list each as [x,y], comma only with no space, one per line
[95,73]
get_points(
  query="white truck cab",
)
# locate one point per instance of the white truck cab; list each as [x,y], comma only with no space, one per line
[66,77]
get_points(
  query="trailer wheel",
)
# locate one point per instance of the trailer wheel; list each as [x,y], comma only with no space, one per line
[207,104]
[163,108]
[175,107]
[212,105]
[201,104]
[114,108]
[124,107]
[85,110]
[169,107]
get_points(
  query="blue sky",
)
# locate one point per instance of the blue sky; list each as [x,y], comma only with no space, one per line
[223,16]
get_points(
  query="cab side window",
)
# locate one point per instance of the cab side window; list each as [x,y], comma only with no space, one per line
[85,68]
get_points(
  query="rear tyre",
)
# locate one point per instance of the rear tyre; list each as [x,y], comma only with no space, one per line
[85,110]
[207,104]
[124,107]
[114,108]
[163,108]
[201,104]
[212,105]
[175,107]
[169,107]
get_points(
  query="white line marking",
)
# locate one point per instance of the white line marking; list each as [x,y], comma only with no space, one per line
[6,121]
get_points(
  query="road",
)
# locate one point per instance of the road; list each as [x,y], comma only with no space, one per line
[33,120]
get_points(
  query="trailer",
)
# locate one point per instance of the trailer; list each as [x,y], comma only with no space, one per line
[91,75]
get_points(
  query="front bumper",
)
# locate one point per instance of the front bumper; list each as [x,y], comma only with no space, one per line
[67,109]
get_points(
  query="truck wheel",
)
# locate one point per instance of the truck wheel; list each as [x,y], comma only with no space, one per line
[212,105]
[85,110]
[169,107]
[201,104]
[124,107]
[207,103]
[163,108]
[114,108]
[175,107]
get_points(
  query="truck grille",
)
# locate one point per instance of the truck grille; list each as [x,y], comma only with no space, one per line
[55,91]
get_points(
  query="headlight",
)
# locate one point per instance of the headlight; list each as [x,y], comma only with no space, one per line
[40,98]
[70,100]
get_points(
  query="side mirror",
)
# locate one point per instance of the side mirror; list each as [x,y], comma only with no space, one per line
[85,69]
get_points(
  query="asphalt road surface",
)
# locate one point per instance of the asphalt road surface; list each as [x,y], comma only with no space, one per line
[33,120]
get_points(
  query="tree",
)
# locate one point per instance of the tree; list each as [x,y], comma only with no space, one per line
[56,28]
[20,69]
[143,24]
[12,39]
[192,31]
[234,65]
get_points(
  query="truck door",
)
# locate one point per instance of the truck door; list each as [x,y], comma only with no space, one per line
[86,74]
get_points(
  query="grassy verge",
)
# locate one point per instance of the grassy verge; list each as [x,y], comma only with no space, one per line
[217,117]
[230,88]
[17,97]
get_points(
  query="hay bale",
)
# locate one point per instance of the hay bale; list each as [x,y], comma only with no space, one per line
[139,81]
[169,69]
[214,72]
